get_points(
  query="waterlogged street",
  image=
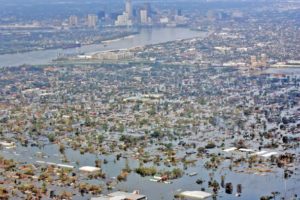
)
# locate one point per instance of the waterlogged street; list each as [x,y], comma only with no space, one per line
[137,124]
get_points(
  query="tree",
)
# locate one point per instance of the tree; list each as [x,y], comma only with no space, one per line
[169,146]
[177,173]
[251,160]
[105,127]
[156,134]
[100,139]
[146,171]
[51,137]
[44,188]
[200,150]
[121,128]
[62,148]
[240,144]
[228,188]
[210,145]
[215,185]
[97,163]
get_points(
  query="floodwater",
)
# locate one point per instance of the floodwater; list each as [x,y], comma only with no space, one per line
[253,186]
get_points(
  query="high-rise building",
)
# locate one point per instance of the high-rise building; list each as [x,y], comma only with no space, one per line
[179,12]
[73,20]
[92,20]
[123,20]
[126,19]
[128,8]
[144,16]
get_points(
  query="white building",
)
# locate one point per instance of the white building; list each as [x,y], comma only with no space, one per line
[121,196]
[92,20]
[113,55]
[89,169]
[196,194]
[164,20]
[73,20]
[123,20]
[144,16]
[128,9]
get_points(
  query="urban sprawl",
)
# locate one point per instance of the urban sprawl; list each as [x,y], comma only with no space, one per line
[216,117]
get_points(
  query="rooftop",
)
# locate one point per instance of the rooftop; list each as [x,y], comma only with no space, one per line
[196,194]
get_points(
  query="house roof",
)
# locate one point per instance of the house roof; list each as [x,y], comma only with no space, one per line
[89,169]
[130,196]
[196,194]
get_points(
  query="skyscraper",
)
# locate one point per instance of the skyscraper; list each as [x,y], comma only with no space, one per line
[178,12]
[73,20]
[123,20]
[128,8]
[92,20]
[144,16]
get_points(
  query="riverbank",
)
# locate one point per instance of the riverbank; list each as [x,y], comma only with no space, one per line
[145,37]
[105,39]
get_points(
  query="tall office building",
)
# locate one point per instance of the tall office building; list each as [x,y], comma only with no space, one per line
[126,19]
[179,12]
[123,20]
[73,20]
[144,16]
[92,20]
[128,8]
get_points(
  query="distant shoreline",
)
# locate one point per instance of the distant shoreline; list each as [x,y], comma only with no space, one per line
[112,39]
[141,38]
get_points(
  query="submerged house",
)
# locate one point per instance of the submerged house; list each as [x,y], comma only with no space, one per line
[121,196]
[195,195]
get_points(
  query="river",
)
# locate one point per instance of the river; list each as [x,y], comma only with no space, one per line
[287,71]
[145,37]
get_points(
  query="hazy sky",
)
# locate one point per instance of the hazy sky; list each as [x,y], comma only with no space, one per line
[43,9]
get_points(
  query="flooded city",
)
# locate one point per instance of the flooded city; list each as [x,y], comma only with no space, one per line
[150,100]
